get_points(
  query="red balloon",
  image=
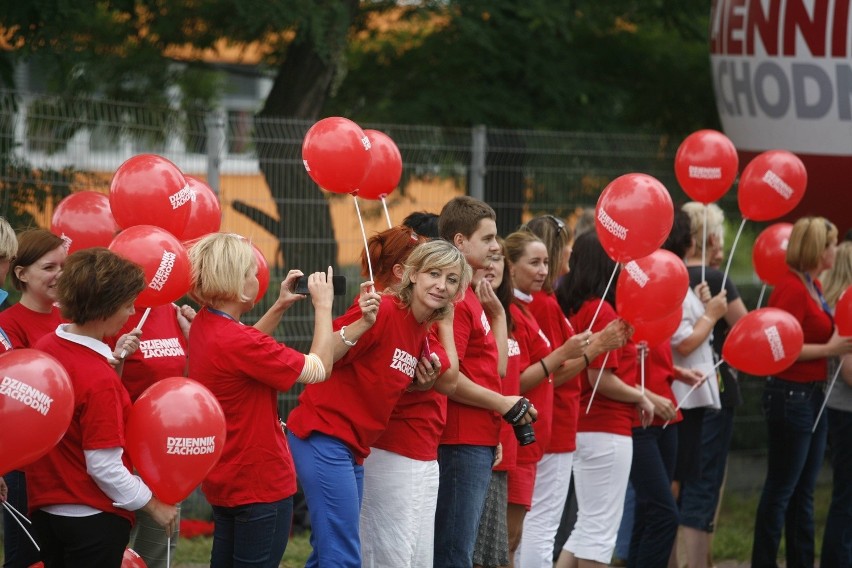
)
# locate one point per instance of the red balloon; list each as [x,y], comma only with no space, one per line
[337,154]
[131,559]
[386,169]
[205,214]
[706,165]
[163,258]
[843,313]
[769,254]
[175,435]
[651,287]
[654,332]
[84,220]
[36,403]
[262,272]
[771,185]
[763,342]
[633,217]
[150,190]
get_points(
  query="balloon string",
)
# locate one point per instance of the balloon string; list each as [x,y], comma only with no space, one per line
[731,254]
[168,550]
[827,394]
[12,513]
[138,326]
[364,236]
[597,382]
[387,215]
[704,246]
[760,298]
[606,290]
[695,386]
[642,352]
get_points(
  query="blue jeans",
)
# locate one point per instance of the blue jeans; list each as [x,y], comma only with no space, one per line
[19,552]
[699,497]
[837,541]
[465,475]
[656,517]
[793,463]
[625,529]
[334,486]
[254,534]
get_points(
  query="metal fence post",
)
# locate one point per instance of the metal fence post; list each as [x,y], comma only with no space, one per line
[215,124]
[477,161]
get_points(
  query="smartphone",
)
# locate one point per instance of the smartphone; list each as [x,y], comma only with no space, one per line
[339,283]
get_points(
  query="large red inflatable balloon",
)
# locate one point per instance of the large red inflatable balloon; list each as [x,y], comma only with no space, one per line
[654,332]
[706,165]
[150,190]
[633,216]
[163,258]
[769,254]
[763,342]
[36,403]
[84,220]
[771,185]
[337,154]
[652,286]
[843,313]
[386,168]
[175,435]
[205,213]
[131,559]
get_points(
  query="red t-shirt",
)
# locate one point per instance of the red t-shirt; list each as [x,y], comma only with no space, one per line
[478,361]
[25,326]
[101,406]
[791,295]
[415,425]
[534,347]
[511,387]
[566,397]
[355,404]
[659,374]
[245,369]
[606,414]
[161,353]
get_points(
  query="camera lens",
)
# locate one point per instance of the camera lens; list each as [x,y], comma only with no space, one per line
[524,434]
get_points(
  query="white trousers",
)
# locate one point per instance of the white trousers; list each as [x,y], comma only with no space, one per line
[398,511]
[542,521]
[601,471]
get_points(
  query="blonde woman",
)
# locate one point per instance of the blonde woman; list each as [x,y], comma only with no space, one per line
[251,487]
[792,398]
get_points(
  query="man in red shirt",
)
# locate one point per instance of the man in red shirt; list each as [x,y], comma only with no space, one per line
[471,435]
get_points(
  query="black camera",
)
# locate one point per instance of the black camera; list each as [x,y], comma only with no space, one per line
[523,432]
[339,283]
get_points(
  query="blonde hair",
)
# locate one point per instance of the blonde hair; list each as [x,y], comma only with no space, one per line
[715,222]
[8,240]
[433,254]
[808,240]
[837,278]
[220,264]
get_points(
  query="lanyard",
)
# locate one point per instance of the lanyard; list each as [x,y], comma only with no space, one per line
[220,313]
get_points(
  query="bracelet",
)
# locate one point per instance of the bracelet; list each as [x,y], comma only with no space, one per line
[346,341]
[586,359]
[543,366]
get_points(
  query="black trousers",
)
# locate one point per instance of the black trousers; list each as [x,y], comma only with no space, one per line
[97,541]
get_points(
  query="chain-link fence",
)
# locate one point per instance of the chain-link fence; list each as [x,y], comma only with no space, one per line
[51,146]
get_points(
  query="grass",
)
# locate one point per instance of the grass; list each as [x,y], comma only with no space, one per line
[735,531]
[732,541]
